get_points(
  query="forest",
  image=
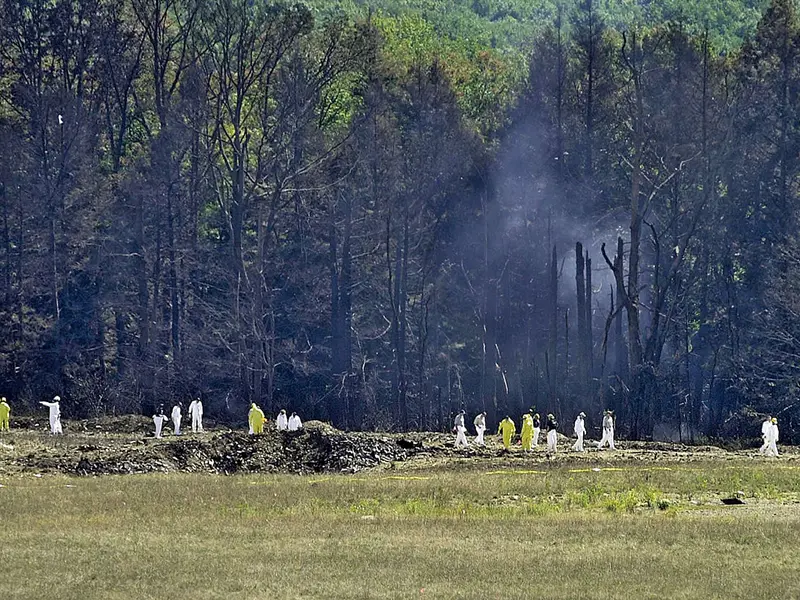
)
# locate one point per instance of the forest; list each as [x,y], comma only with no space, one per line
[377,215]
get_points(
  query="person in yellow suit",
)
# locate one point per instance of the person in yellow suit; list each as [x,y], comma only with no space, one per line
[527,431]
[508,429]
[256,419]
[5,413]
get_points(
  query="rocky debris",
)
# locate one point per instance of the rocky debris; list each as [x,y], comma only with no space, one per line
[123,424]
[101,447]
[317,448]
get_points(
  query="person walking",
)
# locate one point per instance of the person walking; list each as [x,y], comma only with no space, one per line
[526,436]
[256,419]
[580,431]
[537,429]
[552,433]
[460,430]
[507,429]
[766,426]
[5,414]
[608,430]
[480,428]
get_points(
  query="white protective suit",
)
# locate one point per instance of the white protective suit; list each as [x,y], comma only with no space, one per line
[55,415]
[282,423]
[552,434]
[176,419]
[159,419]
[196,412]
[461,431]
[608,432]
[580,431]
[294,423]
[772,437]
[765,429]
[480,427]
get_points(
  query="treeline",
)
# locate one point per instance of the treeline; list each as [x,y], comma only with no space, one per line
[511,24]
[363,221]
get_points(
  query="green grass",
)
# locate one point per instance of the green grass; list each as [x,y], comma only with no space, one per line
[566,532]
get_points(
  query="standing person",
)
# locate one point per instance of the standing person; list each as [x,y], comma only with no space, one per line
[5,413]
[608,430]
[772,436]
[159,419]
[537,429]
[196,412]
[508,429]
[527,432]
[580,431]
[461,431]
[459,420]
[256,419]
[552,434]
[294,422]
[282,422]
[55,415]
[766,426]
[480,427]
[176,418]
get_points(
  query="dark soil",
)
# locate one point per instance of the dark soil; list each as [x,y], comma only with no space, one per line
[124,445]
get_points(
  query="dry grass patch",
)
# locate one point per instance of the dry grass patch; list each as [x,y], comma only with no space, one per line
[469,534]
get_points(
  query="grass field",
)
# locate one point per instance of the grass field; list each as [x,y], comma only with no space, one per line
[624,532]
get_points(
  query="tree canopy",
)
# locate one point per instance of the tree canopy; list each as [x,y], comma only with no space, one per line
[377,214]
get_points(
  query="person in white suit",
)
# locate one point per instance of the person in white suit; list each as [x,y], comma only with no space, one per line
[580,431]
[772,437]
[158,419]
[282,422]
[480,428]
[196,413]
[295,423]
[766,426]
[461,431]
[55,415]
[176,418]
[608,431]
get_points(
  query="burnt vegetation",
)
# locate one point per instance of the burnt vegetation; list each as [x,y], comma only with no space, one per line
[374,222]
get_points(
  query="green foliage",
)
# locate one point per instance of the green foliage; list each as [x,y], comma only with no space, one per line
[514,23]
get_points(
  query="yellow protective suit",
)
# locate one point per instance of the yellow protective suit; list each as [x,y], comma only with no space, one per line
[527,431]
[508,429]
[5,412]
[256,419]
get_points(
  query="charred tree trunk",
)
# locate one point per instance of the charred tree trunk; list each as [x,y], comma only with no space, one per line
[553,310]
[589,343]
[580,282]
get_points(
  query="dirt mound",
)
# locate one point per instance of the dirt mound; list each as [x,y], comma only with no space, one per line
[117,424]
[317,448]
[125,445]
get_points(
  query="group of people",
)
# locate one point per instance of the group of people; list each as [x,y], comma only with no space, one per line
[531,429]
[195,412]
[256,420]
[529,436]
